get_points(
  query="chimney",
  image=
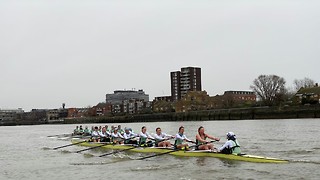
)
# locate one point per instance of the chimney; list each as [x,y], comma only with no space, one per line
[316,85]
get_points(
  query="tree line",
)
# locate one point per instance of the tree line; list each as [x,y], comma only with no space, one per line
[271,89]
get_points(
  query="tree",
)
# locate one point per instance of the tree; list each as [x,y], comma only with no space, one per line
[303,83]
[270,89]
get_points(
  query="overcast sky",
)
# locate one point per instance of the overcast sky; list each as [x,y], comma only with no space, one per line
[74,52]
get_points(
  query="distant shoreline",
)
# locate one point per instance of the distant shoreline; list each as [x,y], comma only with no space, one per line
[258,113]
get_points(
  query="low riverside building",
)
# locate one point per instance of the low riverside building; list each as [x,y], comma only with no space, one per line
[308,95]
[128,102]
[236,98]
[77,112]
[162,104]
[163,98]
[194,101]
[120,95]
[56,115]
[101,109]
[35,116]
[9,116]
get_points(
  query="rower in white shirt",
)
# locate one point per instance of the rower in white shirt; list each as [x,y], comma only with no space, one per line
[181,138]
[95,135]
[116,136]
[129,136]
[145,138]
[161,139]
[104,135]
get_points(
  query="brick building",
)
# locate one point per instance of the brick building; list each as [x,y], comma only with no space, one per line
[194,101]
[236,98]
[308,95]
[188,79]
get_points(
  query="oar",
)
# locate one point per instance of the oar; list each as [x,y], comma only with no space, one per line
[168,152]
[60,135]
[125,149]
[69,145]
[92,147]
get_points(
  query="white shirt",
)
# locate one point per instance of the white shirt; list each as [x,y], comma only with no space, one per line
[101,134]
[145,135]
[162,136]
[117,135]
[130,135]
[228,144]
[95,134]
[183,137]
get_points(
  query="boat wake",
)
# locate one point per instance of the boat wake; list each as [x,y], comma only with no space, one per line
[99,163]
[90,163]
[297,152]
[65,152]
[147,168]
[88,155]
[157,167]
[304,161]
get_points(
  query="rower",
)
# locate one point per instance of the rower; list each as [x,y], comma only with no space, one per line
[112,129]
[129,136]
[104,135]
[202,143]
[161,138]
[80,130]
[76,130]
[86,131]
[144,139]
[120,130]
[117,138]
[95,135]
[107,129]
[232,146]
[180,138]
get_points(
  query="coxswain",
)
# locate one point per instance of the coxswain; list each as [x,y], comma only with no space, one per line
[201,142]
[104,135]
[95,135]
[129,136]
[180,139]
[232,146]
[161,139]
[145,138]
[117,138]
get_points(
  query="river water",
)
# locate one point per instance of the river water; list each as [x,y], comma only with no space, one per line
[25,153]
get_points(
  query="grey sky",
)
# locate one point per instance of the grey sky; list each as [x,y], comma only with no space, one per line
[77,51]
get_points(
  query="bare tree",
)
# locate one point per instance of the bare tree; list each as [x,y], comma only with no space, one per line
[303,83]
[269,88]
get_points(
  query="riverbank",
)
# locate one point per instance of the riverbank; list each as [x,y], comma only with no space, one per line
[210,115]
[254,113]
